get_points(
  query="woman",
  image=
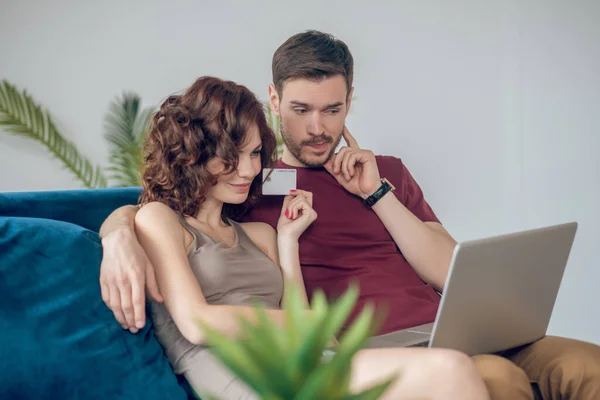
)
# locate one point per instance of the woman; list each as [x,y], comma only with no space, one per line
[206,150]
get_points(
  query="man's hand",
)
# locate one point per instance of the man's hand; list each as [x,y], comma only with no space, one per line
[124,273]
[355,169]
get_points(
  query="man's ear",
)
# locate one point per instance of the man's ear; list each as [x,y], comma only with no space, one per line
[273,99]
[349,100]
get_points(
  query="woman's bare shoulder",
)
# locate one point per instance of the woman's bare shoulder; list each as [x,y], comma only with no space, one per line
[264,236]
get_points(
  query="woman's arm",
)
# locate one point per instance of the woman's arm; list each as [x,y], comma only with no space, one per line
[163,238]
[283,251]
[290,265]
[282,246]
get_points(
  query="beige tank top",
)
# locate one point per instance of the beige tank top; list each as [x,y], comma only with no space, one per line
[236,275]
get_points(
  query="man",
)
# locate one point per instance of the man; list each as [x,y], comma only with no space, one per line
[374,227]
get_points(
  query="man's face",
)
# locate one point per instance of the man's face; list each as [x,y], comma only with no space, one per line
[312,118]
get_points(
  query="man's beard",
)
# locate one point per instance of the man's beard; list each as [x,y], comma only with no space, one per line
[296,148]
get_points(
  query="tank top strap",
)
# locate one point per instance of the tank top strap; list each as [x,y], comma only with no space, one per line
[243,240]
[196,234]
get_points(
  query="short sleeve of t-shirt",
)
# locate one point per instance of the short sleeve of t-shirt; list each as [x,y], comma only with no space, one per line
[407,189]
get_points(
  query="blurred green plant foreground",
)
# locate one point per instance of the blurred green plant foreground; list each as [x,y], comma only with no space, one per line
[294,361]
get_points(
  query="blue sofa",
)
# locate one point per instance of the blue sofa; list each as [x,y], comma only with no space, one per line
[58,339]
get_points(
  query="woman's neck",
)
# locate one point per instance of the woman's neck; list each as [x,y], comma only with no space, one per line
[210,213]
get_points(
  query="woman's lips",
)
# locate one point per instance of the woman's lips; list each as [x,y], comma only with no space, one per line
[241,188]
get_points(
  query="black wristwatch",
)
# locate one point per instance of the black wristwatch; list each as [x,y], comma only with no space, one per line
[385,187]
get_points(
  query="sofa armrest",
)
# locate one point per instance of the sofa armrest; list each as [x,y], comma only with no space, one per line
[85,207]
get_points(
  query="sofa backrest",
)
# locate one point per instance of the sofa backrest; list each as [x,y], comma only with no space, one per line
[86,207]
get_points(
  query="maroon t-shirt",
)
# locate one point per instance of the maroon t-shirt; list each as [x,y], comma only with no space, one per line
[349,243]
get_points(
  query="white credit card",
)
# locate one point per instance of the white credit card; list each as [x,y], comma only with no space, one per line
[278,181]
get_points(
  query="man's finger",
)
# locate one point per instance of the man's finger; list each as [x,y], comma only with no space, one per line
[350,141]
[115,305]
[126,305]
[152,285]
[105,293]
[348,165]
[351,164]
[338,159]
[334,163]
[139,301]
[329,168]
[329,165]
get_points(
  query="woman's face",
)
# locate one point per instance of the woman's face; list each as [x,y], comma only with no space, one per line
[233,188]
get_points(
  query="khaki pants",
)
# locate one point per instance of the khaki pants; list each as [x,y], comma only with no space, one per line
[559,368]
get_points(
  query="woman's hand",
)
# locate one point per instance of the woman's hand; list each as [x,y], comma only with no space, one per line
[296,214]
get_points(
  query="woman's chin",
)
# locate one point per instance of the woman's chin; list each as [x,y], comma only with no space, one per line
[236,198]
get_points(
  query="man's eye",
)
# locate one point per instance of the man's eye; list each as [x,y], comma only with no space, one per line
[300,110]
[333,112]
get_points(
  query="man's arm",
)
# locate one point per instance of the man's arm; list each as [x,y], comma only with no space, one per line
[427,246]
[125,271]
[122,217]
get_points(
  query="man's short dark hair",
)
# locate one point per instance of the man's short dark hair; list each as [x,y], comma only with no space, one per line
[312,55]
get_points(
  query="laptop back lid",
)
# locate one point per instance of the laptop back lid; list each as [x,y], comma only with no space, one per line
[501,291]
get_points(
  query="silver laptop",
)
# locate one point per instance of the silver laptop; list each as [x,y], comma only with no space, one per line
[499,294]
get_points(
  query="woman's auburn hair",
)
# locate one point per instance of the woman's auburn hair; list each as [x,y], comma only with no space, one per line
[212,118]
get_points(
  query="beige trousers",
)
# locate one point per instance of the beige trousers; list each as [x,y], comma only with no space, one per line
[554,368]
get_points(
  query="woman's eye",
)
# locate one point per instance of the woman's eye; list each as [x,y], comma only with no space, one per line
[255,153]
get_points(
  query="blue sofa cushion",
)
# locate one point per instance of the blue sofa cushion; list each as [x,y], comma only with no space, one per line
[57,338]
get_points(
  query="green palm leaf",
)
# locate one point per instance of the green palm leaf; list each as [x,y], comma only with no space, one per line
[126,127]
[22,116]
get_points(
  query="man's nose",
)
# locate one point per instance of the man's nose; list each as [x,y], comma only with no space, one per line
[316,125]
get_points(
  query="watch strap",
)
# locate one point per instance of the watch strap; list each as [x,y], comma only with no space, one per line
[385,187]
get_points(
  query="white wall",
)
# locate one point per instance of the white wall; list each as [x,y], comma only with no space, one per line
[493,106]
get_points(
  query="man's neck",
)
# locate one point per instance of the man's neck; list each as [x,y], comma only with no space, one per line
[289,159]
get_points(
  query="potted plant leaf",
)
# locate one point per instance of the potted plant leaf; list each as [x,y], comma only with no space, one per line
[294,362]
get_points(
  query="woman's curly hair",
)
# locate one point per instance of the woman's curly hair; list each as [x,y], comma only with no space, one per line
[211,119]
